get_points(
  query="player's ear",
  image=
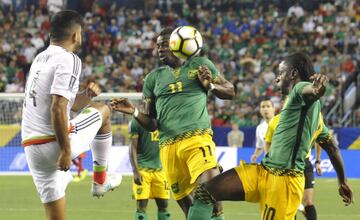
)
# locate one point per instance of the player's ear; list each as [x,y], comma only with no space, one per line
[294,74]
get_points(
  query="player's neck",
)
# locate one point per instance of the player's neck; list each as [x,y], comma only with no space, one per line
[67,46]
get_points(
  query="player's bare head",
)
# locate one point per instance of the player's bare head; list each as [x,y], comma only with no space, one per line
[297,66]
[267,109]
[66,27]
[162,45]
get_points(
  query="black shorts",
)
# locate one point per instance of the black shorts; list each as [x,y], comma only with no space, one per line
[309,174]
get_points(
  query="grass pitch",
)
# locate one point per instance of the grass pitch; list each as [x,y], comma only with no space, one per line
[19,200]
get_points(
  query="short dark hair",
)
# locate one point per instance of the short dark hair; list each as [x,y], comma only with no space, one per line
[166,31]
[266,99]
[62,23]
[301,62]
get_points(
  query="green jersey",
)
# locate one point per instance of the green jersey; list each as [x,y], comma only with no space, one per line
[148,154]
[180,99]
[292,137]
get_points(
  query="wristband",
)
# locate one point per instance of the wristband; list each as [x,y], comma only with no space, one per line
[211,87]
[317,161]
[136,113]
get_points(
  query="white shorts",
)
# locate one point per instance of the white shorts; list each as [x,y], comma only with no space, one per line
[42,159]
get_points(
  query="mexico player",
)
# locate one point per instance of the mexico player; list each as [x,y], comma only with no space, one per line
[267,111]
[176,103]
[320,134]
[50,139]
[278,182]
[149,178]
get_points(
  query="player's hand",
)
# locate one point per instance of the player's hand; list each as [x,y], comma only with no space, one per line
[64,160]
[346,193]
[122,105]
[253,158]
[318,169]
[137,178]
[204,76]
[320,82]
[92,90]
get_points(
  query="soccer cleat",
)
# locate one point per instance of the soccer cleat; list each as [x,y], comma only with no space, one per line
[111,183]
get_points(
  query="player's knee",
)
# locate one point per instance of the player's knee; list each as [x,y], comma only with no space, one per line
[103,108]
[141,209]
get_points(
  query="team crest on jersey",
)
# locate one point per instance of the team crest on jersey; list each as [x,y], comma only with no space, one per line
[192,74]
[176,72]
[139,191]
[175,187]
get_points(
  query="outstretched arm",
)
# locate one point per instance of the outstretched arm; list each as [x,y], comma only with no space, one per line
[313,92]
[221,88]
[335,157]
[147,119]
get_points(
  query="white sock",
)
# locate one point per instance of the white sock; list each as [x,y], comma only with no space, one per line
[100,149]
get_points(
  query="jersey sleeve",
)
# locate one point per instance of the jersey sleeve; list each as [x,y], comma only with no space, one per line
[149,85]
[273,123]
[67,71]
[133,129]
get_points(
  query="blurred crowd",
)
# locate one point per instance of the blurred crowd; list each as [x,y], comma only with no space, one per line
[245,39]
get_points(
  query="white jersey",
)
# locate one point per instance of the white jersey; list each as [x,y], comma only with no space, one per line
[260,134]
[54,71]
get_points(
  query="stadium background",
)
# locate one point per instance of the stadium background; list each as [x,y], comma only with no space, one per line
[245,39]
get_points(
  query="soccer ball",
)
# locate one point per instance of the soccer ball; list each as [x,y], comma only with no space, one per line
[185,42]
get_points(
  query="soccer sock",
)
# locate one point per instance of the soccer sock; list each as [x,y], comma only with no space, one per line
[310,212]
[163,215]
[200,210]
[140,216]
[100,149]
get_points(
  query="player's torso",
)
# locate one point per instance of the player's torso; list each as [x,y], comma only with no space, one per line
[181,101]
[36,118]
[261,129]
[292,137]
[148,152]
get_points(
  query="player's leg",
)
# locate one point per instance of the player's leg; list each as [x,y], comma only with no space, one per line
[162,205]
[92,127]
[141,209]
[49,181]
[310,210]
[55,210]
[141,194]
[161,192]
[218,212]
[225,186]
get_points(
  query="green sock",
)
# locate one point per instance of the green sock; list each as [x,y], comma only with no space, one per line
[218,218]
[163,215]
[140,216]
[200,211]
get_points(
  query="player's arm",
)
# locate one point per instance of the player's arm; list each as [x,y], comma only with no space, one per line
[314,91]
[147,119]
[258,148]
[134,141]
[333,151]
[59,121]
[84,97]
[318,150]
[220,87]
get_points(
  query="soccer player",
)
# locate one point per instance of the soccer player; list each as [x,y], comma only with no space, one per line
[267,111]
[149,178]
[50,139]
[175,96]
[278,182]
[322,132]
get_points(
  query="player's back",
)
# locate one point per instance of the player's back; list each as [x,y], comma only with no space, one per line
[53,71]
[292,137]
